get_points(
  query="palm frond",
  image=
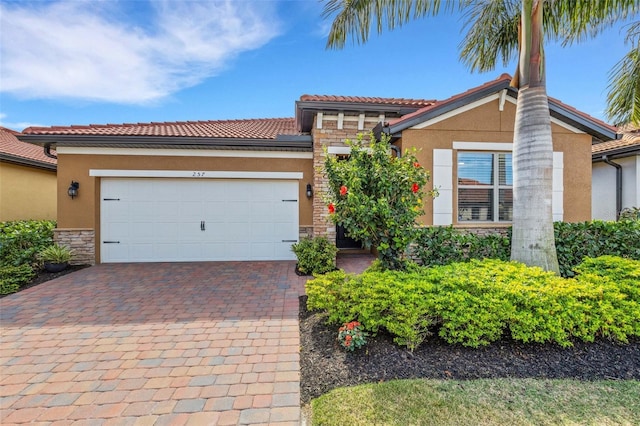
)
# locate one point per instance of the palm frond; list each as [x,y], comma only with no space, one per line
[578,20]
[623,98]
[354,18]
[492,33]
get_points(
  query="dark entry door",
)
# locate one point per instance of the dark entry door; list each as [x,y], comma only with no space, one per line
[344,242]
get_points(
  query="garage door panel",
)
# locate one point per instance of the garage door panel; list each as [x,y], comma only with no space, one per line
[162,219]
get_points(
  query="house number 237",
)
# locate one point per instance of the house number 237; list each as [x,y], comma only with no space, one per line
[198,174]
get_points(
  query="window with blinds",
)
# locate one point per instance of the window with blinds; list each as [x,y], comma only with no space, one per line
[485,187]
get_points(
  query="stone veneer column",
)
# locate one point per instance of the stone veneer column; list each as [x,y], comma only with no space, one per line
[81,240]
[331,135]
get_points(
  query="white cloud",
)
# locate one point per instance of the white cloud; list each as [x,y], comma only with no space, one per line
[16,125]
[92,51]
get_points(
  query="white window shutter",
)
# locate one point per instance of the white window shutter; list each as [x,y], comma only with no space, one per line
[558,186]
[443,182]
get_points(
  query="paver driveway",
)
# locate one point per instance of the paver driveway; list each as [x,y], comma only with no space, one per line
[169,343]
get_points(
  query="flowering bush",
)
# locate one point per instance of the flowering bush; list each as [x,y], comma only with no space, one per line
[351,336]
[377,197]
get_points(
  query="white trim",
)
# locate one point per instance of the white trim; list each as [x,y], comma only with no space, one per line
[567,126]
[457,111]
[361,118]
[319,120]
[557,206]
[339,150]
[483,146]
[503,97]
[200,174]
[340,120]
[443,181]
[182,152]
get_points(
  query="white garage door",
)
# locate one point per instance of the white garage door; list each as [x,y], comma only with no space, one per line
[157,220]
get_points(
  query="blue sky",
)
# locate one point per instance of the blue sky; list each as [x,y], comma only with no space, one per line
[108,61]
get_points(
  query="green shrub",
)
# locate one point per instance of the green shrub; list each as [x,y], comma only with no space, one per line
[576,241]
[315,255]
[20,241]
[475,303]
[630,213]
[442,245]
[12,277]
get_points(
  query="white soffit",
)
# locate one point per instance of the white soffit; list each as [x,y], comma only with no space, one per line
[182,152]
[201,174]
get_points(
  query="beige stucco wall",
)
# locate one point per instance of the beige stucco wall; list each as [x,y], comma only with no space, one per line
[27,193]
[83,212]
[487,123]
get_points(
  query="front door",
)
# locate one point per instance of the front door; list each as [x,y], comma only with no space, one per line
[345,242]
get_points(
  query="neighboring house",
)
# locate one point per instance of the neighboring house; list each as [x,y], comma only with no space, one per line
[27,180]
[616,174]
[237,189]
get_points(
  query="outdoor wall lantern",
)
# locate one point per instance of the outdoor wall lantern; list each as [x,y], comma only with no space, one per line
[73,189]
[309,191]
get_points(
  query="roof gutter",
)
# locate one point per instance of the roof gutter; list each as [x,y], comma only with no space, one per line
[618,184]
[47,151]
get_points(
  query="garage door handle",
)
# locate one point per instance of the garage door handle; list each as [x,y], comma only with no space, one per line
[111,242]
[289,241]
[202,226]
[289,201]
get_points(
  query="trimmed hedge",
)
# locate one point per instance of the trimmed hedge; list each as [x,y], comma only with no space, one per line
[475,303]
[12,277]
[574,242]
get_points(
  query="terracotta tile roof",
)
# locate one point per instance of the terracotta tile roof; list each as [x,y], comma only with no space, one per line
[12,147]
[630,137]
[415,103]
[265,128]
[437,104]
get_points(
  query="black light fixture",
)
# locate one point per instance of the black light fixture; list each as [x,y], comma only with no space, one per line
[73,189]
[309,191]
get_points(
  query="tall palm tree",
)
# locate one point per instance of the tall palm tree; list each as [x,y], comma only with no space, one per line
[503,28]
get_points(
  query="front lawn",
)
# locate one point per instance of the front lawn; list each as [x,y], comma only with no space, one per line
[482,402]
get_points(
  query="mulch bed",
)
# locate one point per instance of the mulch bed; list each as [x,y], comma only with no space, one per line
[43,276]
[325,365]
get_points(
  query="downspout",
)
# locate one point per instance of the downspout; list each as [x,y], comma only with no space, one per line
[618,184]
[47,151]
[396,150]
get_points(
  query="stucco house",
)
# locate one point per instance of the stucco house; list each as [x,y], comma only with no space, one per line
[27,180]
[616,175]
[248,189]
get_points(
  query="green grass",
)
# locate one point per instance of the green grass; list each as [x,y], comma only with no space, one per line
[481,402]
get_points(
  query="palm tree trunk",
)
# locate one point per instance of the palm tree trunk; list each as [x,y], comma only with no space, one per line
[533,241]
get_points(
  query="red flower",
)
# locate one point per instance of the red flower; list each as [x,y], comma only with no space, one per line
[348,338]
[332,208]
[415,188]
[343,190]
[416,164]
[350,326]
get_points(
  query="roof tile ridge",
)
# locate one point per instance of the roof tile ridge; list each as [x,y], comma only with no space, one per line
[501,78]
[8,130]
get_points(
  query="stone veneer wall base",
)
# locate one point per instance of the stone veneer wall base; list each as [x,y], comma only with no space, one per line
[81,240]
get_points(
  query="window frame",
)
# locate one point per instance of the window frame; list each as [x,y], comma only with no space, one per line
[495,186]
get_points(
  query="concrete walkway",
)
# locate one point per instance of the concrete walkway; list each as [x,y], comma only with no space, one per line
[154,344]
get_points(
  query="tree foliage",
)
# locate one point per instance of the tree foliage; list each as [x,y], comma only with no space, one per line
[377,197]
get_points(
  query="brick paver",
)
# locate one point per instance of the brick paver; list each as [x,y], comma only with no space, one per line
[154,344]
